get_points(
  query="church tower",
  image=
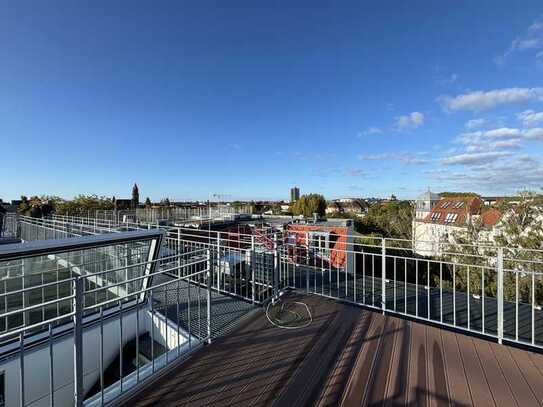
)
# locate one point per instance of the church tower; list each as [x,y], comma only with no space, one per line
[135,196]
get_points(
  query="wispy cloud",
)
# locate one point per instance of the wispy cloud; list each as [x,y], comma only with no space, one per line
[478,101]
[531,39]
[370,131]
[503,132]
[523,171]
[409,121]
[475,124]
[529,118]
[470,159]
[407,158]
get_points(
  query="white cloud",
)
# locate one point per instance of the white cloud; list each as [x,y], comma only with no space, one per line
[370,131]
[410,121]
[531,39]
[530,118]
[474,158]
[504,132]
[513,143]
[475,124]
[515,173]
[535,133]
[484,100]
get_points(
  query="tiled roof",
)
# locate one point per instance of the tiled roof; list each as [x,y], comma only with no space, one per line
[454,210]
[490,217]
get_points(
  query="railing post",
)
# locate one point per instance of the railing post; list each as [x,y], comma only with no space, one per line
[253,264]
[383,274]
[219,261]
[308,262]
[499,267]
[275,266]
[208,296]
[78,341]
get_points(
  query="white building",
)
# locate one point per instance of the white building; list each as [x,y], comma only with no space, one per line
[424,204]
[447,217]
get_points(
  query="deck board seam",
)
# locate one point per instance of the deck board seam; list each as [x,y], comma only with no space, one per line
[484,371]
[445,368]
[464,367]
[358,360]
[521,372]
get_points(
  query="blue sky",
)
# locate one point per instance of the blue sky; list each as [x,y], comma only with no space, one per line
[250,98]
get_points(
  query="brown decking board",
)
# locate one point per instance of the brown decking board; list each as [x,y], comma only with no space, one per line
[349,356]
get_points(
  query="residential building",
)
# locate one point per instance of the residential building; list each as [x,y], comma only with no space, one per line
[449,216]
[330,241]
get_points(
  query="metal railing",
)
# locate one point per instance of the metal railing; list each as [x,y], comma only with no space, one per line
[484,288]
[116,323]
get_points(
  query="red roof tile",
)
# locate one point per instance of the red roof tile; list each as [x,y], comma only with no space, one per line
[454,210]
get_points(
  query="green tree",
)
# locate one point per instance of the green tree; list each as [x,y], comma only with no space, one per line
[148,203]
[520,235]
[82,205]
[309,204]
[390,219]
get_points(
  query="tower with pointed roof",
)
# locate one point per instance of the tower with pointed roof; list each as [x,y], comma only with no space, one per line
[135,196]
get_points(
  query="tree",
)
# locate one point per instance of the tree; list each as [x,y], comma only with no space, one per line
[82,205]
[309,204]
[36,207]
[148,203]
[520,235]
[165,202]
[390,219]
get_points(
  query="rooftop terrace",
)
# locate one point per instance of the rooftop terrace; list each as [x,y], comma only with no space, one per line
[136,313]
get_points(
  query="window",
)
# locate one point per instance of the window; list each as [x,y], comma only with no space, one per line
[436,216]
[445,204]
[451,217]
[319,241]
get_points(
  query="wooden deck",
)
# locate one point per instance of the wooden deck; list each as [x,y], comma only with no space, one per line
[350,356]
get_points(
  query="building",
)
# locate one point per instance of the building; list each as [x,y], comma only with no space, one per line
[329,241]
[449,216]
[294,194]
[424,204]
[135,196]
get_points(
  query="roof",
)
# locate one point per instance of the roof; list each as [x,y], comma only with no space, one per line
[490,216]
[454,211]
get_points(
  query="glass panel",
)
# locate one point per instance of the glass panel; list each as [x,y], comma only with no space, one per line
[49,278]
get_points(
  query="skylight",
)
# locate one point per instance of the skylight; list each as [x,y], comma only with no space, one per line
[451,217]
